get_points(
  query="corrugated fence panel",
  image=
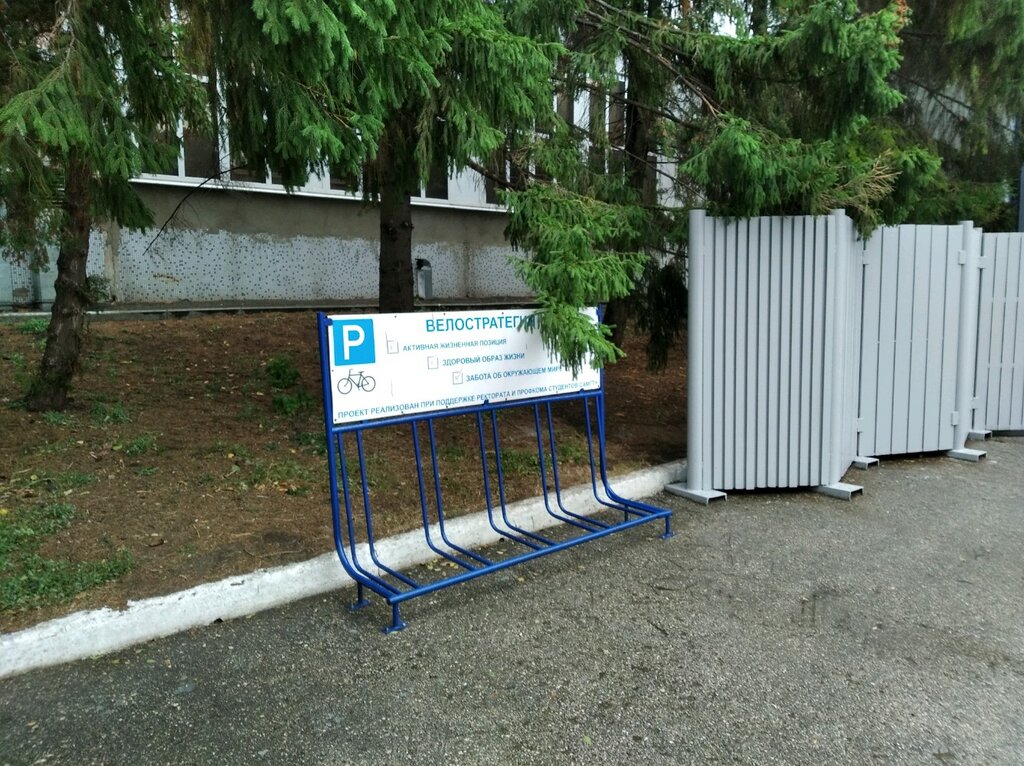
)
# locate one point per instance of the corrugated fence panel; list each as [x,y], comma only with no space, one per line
[768,354]
[785,476]
[1000,354]
[814,347]
[766,378]
[953,274]
[870,354]
[910,307]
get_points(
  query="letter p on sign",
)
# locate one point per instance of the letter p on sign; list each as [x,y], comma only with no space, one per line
[353,342]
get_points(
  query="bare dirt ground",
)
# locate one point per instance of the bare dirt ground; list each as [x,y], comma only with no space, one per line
[184,449]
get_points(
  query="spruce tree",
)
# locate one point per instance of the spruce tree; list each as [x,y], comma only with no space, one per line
[778,118]
[484,82]
[85,86]
[94,91]
[403,87]
[963,75]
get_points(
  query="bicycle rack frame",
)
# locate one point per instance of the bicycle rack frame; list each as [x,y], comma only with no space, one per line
[352,515]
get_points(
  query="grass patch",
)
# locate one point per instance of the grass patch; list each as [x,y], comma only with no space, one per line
[37,326]
[281,372]
[292,404]
[517,462]
[249,413]
[571,452]
[379,471]
[453,452]
[51,448]
[52,482]
[105,414]
[58,419]
[29,580]
[314,441]
[229,450]
[138,445]
[285,475]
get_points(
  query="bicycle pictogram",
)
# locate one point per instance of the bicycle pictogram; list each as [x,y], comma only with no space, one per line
[356,380]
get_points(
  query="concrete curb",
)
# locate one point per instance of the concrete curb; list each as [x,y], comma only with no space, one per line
[99,631]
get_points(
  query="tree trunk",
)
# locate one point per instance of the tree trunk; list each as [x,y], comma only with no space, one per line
[49,390]
[638,146]
[759,17]
[396,173]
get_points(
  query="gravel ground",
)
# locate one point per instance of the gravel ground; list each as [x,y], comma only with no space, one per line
[774,628]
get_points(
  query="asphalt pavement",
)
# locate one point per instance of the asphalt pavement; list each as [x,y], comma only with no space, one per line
[774,628]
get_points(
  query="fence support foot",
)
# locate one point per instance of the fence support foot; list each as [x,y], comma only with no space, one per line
[396,620]
[840,490]
[361,599]
[971,455]
[978,435]
[702,496]
[864,463]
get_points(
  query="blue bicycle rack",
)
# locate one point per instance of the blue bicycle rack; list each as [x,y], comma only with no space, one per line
[351,502]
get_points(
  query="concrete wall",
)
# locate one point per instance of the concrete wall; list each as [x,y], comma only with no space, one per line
[233,246]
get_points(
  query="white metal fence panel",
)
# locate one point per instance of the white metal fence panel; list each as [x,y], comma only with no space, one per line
[1000,357]
[769,352]
[809,348]
[911,302]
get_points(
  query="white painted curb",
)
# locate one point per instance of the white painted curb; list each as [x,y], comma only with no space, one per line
[87,634]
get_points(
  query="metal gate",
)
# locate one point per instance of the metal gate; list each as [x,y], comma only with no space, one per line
[915,282]
[1000,357]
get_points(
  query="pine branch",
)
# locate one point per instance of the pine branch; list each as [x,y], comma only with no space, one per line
[183,200]
[641,43]
[947,101]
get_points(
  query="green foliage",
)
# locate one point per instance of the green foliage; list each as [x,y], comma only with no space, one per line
[29,580]
[279,472]
[98,290]
[291,404]
[573,263]
[281,372]
[794,118]
[660,309]
[793,132]
[28,527]
[36,326]
[90,80]
[963,75]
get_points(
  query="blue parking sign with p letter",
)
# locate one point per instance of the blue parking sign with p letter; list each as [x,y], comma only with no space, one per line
[353,342]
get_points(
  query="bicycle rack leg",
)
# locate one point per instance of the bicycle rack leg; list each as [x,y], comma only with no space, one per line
[668,528]
[361,599]
[396,620]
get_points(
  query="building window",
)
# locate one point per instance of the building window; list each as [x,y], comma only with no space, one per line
[165,159]
[437,181]
[342,181]
[202,158]
[240,171]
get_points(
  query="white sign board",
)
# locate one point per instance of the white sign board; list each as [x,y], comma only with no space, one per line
[385,365]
